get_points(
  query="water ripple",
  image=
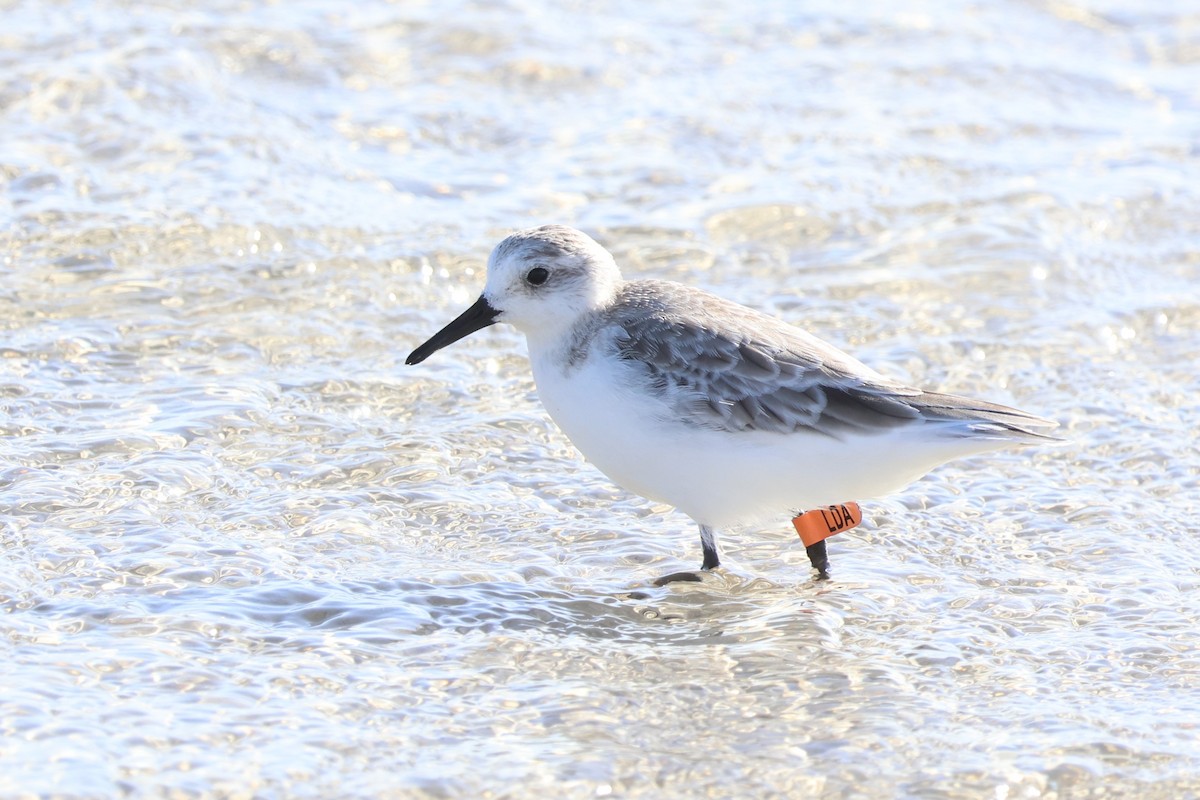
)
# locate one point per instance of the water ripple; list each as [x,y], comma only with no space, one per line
[244,551]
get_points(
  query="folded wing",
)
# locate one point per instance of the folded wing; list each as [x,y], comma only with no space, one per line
[724,366]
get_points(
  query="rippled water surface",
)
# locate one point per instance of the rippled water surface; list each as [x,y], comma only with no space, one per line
[245,552]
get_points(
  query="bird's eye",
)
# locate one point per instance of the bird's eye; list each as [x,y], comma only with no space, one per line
[537,276]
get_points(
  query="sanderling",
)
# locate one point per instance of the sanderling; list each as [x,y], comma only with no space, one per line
[719,410]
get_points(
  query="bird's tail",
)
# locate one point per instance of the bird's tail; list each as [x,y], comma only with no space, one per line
[981,418]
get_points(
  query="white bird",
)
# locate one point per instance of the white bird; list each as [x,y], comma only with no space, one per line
[726,413]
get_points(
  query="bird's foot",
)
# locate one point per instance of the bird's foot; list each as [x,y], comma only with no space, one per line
[679,577]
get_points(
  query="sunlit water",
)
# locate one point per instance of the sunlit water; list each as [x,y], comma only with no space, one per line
[245,552]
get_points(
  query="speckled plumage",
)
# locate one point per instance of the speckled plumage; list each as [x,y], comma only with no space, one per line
[721,365]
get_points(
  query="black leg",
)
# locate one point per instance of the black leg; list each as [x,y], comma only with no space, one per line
[708,542]
[819,558]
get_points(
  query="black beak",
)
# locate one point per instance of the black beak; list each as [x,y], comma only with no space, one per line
[477,316]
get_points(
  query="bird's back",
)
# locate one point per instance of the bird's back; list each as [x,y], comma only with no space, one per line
[724,366]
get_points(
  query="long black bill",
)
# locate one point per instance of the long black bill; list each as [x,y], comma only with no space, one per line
[477,316]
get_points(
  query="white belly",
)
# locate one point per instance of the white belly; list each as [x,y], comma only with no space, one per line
[723,478]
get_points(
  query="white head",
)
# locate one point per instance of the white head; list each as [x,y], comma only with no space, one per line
[541,281]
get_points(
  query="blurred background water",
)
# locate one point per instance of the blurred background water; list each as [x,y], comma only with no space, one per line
[245,552]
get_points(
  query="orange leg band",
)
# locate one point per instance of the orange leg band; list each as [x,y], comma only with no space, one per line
[821,523]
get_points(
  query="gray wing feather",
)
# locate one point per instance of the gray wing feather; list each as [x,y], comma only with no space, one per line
[724,366]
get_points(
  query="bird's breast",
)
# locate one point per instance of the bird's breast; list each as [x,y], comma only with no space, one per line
[616,424]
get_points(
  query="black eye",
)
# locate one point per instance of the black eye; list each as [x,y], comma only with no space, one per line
[537,276]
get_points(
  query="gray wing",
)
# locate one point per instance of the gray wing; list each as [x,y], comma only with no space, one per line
[724,366]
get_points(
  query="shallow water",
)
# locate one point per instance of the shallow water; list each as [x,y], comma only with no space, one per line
[247,553]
